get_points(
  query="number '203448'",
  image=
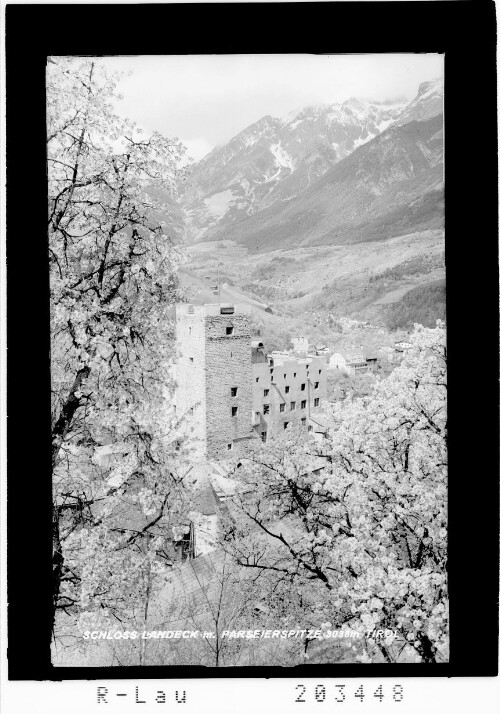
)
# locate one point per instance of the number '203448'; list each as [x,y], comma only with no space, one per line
[341,693]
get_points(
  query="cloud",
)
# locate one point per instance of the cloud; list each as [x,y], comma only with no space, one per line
[197,148]
[211,98]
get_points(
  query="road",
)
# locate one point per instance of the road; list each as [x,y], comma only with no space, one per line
[199,292]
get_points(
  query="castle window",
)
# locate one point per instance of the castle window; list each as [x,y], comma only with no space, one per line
[256,379]
[234,391]
[316,402]
[229,447]
[271,370]
[319,371]
[287,389]
[227,310]
[303,421]
[266,392]
[285,424]
[295,374]
[316,385]
[263,436]
[302,387]
[282,407]
[292,406]
[303,404]
[229,330]
[234,411]
[309,428]
[284,376]
[266,408]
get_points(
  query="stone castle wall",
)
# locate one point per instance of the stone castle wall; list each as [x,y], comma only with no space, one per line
[289,384]
[214,357]
[228,366]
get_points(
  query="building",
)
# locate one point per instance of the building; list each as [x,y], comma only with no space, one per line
[300,344]
[337,361]
[319,425]
[356,364]
[229,391]
[213,400]
[323,351]
[286,391]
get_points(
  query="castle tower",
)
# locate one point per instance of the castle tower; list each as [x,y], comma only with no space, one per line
[214,378]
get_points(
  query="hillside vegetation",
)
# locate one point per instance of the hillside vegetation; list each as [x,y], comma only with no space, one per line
[424,304]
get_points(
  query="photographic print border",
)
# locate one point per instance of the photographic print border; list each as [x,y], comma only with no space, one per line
[465,33]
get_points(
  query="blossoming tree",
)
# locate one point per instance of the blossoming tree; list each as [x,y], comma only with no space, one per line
[112,284]
[355,527]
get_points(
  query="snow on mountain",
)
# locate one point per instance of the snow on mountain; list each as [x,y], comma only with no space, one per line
[282,158]
[276,158]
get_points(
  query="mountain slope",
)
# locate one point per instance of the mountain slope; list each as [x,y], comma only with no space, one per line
[392,185]
[275,160]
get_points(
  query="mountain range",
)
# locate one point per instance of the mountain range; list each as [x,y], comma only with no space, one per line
[324,175]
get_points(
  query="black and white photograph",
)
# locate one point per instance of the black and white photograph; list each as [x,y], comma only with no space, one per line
[250,334]
[248,359]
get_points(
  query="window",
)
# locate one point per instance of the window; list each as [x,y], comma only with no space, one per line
[234,411]
[234,391]
[191,359]
[227,310]
[292,406]
[302,387]
[287,389]
[282,407]
[263,436]
[319,371]
[256,379]
[285,424]
[316,402]
[284,376]
[316,385]
[303,404]
[303,421]
[266,392]
[229,330]
[271,370]
[229,447]
[309,428]
[266,408]
[295,374]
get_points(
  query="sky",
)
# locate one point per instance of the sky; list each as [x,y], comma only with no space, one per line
[205,100]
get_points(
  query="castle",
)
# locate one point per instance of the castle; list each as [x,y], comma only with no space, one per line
[229,392]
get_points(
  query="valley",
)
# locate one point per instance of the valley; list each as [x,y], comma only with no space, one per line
[332,213]
[312,287]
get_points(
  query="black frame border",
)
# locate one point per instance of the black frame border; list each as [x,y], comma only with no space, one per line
[466,33]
